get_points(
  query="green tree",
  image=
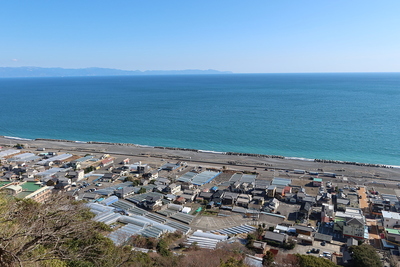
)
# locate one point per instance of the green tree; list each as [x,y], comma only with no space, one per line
[250,240]
[232,262]
[19,146]
[312,261]
[364,256]
[162,248]
[88,169]
[142,190]
[132,179]
[57,230]
[259,232]
[268,259]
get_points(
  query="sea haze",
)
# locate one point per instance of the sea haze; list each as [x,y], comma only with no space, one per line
[351,117]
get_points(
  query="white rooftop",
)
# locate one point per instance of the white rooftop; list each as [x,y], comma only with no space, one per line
[390,215]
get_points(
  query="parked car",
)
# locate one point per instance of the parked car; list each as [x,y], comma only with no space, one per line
[315,250]
[327,254]
[98,184]
[323,243]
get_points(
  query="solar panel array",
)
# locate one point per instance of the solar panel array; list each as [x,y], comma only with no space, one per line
[204,177]
[24,157]
[262,183]
[236,230]
[205,240]
[198,178]
[121,235]
[183,217]
[187,177]
[167,212]
[243,178]
[281,181]
[123,205]
[236,177]
[107,217]
[59,157]
[140,222]
[8,152]
[248,178]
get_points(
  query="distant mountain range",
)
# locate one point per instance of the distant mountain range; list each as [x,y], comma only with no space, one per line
[9,72]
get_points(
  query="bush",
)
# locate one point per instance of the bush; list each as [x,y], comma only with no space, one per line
[290,244]
[273,243]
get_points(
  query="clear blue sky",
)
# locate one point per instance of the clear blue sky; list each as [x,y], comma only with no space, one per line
[256,36]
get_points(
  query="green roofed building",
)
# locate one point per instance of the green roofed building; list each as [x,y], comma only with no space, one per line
[33,190]
[393,236]
[317,182]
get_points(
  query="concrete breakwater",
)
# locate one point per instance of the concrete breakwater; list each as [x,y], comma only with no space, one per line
[353,163]
[255,155]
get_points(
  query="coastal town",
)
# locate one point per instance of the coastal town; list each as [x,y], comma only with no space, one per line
[270,205]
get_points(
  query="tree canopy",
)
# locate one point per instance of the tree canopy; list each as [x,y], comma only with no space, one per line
[365,256]
[58,232]
[312,261]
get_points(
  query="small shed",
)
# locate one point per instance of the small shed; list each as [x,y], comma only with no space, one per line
[317,182]
[186,210]
[305,239]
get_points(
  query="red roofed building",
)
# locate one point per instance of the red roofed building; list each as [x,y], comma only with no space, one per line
[106,162]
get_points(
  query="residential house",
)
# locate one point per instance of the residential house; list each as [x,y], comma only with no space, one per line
[152,203]
[11,176]
[170,166]
[271,190]
[258,192]
[305,239]
[207,196]
[351,223]
[109,177]
[188,197]
[180,200]
[327,213]
[173,189]
[217,197]
[243,200]
[229,198]
[391,223]
[63,184]
[342,203]
[275,237]
[305,209]
[76,176]
[300,196]
[257,203]
[271,205]
[304,230]
[125,192]
[260,247]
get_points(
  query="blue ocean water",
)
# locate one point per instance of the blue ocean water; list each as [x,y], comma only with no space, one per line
[351,117]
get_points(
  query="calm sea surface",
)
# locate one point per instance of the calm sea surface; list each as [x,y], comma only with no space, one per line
[352,117]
